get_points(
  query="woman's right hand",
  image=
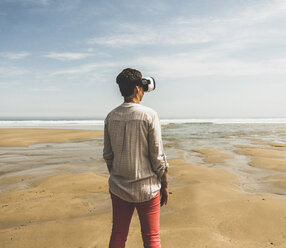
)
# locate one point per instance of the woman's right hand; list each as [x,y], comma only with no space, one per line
[164,189]
[164,195]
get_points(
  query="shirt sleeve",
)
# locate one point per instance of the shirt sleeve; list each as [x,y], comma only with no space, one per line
[107,150]
[156,151]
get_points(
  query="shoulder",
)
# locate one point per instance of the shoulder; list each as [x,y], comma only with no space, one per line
[147,111]
[133,111]
[112,112]
[150,114]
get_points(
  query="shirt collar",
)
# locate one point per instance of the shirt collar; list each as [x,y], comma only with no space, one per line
[127,104]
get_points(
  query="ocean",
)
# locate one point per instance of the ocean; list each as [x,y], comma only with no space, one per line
[98,123]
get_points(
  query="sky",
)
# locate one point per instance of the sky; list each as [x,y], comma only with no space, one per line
[210,59]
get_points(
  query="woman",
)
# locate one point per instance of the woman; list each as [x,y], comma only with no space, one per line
[137,165]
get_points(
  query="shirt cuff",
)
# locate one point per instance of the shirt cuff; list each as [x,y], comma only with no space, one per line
[163,168]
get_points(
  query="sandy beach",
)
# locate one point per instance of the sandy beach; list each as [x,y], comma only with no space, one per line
[70,207]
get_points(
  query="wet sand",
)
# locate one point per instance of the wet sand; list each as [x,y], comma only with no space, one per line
[11,137]
[212,155]
[207,207]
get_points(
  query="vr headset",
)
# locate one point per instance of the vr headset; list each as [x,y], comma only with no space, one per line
[148,84]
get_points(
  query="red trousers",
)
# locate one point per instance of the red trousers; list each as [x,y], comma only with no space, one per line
[149,215]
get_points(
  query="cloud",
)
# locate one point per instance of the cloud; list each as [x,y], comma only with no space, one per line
[43,2]
[85,68]
[12,71]
[47,89]
[131,39]
[14,56]
[75,70]
[67,56]
[265,11]
[186,66]
[38,2]
[208,45]
[244,26]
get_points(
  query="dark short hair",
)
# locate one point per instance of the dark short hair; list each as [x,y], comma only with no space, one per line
[127,81]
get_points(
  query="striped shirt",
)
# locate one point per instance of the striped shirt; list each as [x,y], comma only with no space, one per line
[133,152]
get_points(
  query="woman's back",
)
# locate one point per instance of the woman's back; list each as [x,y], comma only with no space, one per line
[131,176]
